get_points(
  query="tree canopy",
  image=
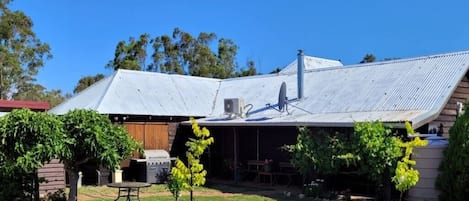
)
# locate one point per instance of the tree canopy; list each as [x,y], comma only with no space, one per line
[27,140]
[181,53]
[94,137]
[178,53]
[368,58]
[87,81]
[130,55]
[30,138]
[21,52]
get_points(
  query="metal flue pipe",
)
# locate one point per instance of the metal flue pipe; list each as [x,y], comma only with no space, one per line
[300,73]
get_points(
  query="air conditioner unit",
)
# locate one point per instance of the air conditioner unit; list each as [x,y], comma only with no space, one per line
[234,105]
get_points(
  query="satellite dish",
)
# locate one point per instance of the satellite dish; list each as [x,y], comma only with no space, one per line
[281,96]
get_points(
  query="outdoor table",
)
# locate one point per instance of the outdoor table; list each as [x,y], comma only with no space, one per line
[128,189]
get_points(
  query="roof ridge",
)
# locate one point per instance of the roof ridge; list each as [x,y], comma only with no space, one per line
[83,91]
[166,74]
[430,56]
[214,102]
[113,76]
[394,61]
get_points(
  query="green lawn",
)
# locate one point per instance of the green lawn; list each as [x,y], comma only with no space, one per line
[202,198]
[212,192]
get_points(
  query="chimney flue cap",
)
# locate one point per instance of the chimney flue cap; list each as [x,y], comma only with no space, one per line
[300,52]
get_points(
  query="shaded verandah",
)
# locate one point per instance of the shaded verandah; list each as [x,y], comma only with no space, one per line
[238,145]
[249,148]
[243,145]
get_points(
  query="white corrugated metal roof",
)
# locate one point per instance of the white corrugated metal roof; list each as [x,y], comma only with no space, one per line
[145,93]
[414,90]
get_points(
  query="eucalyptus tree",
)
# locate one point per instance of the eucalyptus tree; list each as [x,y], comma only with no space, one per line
[184,54]
[181,53]
[226,62]
[368,58]
[22,54]
[87,81]
[251,70]
[36,92]
[130,55]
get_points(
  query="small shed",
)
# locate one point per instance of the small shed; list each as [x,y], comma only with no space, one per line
[428,160]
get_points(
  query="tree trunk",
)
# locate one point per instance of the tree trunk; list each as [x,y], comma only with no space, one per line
[35,186]
[73,179]
[192,189]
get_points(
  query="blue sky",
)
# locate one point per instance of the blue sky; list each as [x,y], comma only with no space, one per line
[83,34]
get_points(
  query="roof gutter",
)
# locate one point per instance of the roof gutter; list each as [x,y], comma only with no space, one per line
[292,124]
[425,118]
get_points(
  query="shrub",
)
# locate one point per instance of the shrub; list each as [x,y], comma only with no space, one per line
[57,196]
[453,180]
[378,150]
[322,152]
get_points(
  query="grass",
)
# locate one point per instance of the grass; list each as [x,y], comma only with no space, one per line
[204,198]
[213,192]
[96,190]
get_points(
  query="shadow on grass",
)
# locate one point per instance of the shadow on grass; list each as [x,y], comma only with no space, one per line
[275,192]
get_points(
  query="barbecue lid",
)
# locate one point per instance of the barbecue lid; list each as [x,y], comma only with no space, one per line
[156,154]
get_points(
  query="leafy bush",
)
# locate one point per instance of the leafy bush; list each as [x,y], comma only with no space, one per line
[323,153]
[20,186]
[453,180]
[57,196]
[378,147]
[374,148]
[379,152]
[27,140]
[175,187]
